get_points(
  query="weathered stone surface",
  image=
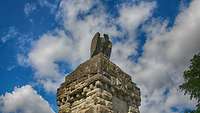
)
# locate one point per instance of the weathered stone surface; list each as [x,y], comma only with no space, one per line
[98,85]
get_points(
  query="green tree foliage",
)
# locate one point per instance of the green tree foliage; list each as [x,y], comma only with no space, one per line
[191,85]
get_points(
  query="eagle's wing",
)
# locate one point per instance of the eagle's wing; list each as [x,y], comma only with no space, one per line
[95,44]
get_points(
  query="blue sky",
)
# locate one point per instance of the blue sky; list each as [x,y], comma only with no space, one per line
[41,41]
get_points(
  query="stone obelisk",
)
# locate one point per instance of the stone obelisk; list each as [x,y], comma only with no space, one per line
[98,85]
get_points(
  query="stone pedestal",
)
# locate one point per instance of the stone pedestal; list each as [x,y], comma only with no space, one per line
[98,86]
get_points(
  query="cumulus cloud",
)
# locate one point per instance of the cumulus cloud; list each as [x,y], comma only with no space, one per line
[24,100]
[82,29]
[80,22]
[131,16]
[167,53]
[158,72]
[43,56]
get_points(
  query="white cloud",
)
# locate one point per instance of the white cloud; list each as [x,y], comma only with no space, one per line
[82,30]
[131,16]
[178,99]
[158,102]
[166,53]
[74,48]
[24,100]
[43,56]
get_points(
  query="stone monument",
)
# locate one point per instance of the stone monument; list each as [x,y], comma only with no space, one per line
[98,85]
